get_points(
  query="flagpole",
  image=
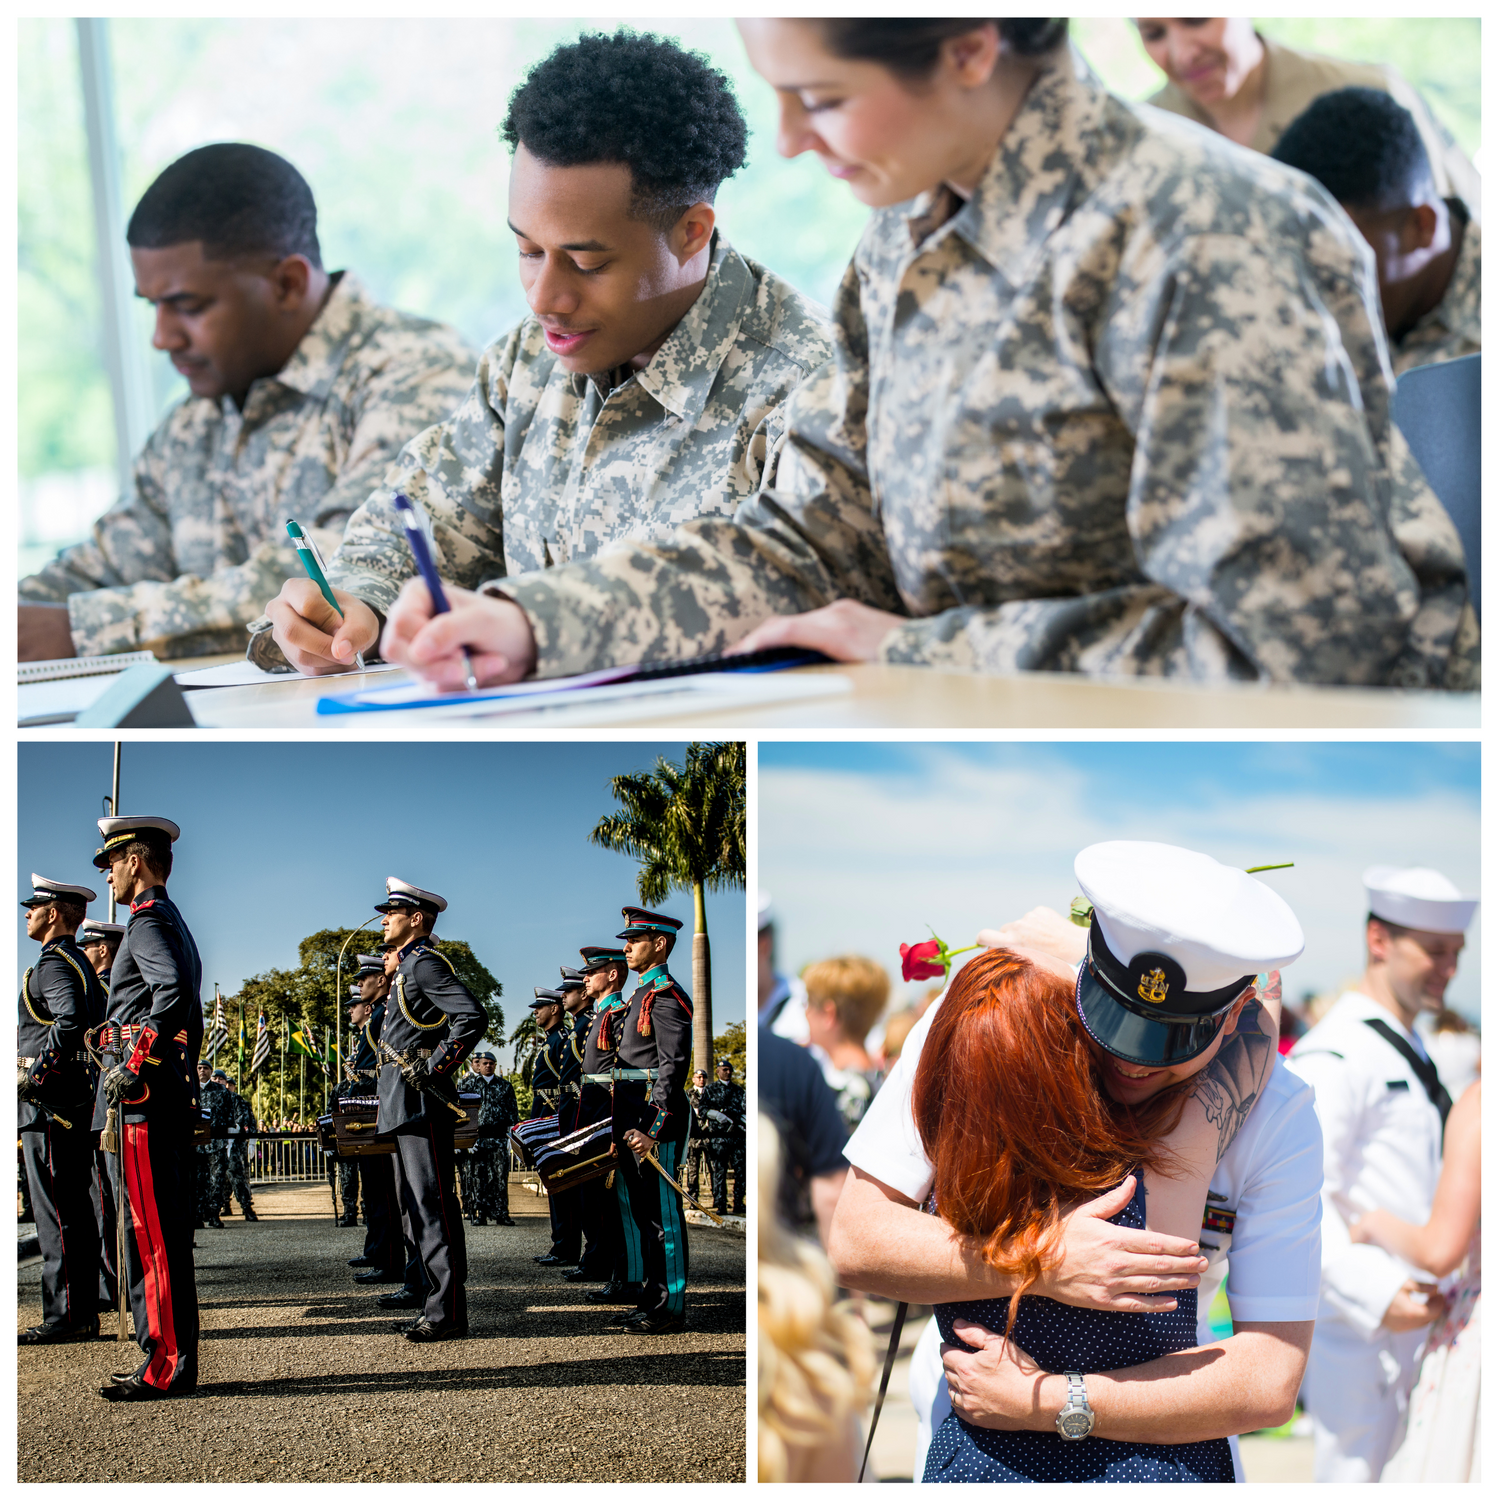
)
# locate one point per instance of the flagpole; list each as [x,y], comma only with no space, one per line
[301,1091]
[114,812]
[326,1041]
[239,1061]
[285,1027]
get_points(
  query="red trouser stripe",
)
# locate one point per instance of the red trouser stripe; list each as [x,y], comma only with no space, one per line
[152,1248]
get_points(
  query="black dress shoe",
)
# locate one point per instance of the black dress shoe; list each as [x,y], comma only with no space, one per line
[402,1324]
[624,1315]
[656,1323]
[133,1388]
[361,1260]
[422,1332]
[59,1333]
[555,1260]
[251,1217]
[614,1291]
[403,1298]
[370,1278]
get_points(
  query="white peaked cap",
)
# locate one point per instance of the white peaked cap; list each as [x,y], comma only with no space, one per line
[763,911]
[1417,897]
[412,893]
[1216,921]
[42,886]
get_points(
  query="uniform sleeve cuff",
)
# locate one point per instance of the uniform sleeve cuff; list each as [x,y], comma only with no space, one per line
[1273,1309]
[103,621]
[141,1054]
[661,1119]
[374,589]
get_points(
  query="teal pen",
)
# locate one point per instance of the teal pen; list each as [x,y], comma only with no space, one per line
[307,551]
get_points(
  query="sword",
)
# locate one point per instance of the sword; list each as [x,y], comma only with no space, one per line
[392,1056]
[682,1191]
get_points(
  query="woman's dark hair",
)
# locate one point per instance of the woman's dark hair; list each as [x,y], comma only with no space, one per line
[910,49]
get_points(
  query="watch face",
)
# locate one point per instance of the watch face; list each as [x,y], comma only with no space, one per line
[1075,1424]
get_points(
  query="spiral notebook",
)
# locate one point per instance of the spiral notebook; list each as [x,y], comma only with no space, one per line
[56,692]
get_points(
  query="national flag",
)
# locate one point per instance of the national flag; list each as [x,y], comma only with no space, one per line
[302,1041]
[218,1035]
[242,1037]
[262,1045]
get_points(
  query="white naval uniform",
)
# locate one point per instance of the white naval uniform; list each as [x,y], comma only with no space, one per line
[1382,1148]
[1269,1179]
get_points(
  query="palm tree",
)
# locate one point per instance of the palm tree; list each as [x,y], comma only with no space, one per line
[686,825]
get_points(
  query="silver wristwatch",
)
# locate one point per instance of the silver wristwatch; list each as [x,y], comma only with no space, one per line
[1076,1419]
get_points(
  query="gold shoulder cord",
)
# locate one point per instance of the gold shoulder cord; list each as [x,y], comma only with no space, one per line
[401,1001]
[26,999]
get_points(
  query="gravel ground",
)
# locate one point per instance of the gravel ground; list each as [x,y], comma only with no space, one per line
[301,1377]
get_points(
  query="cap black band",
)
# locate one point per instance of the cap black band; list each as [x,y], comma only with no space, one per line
[1154,986]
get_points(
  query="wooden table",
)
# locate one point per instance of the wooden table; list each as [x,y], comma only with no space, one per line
[890,697]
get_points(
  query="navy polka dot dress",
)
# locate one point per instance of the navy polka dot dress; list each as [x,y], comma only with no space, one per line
[1061,1338]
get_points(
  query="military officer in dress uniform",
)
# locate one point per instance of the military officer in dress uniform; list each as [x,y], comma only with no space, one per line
[651,1117]
[604,974]
[384,1256]
[154,1032]
[550,1092]
[1382,1109]
[430,1027]
[100,941]
[61,999]
[578,1005]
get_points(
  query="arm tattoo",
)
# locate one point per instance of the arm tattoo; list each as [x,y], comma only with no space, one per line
[1229,1086]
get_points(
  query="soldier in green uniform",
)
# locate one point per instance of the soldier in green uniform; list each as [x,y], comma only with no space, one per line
[650,1119]
[242,1126]
[212,1154]
[1110,396]
[100,941]
[648,384]
[490,1169]
[722,1110]
[302,389]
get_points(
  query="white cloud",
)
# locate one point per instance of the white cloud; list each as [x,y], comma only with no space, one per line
[862,863]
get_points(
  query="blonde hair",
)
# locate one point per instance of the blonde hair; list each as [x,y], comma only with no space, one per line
[858,987]
[816,1367]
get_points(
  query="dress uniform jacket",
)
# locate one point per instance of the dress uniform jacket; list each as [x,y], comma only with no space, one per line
[61,998]
[1126,411]
[186,560]
[657,1032]
[1382,1148]
[366,1059]
[574,1033]
[429,1008]
[539,466]
[599,1048]
[154,986]
[546,1074]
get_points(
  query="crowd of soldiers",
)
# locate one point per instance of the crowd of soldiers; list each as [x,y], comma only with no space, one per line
[112,1094]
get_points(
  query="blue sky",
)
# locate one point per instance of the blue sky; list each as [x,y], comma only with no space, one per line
[862,846]
[281,839]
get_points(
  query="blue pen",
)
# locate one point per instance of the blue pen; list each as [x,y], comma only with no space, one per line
[417,541]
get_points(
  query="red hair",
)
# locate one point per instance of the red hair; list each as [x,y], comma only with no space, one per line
[1013,1114]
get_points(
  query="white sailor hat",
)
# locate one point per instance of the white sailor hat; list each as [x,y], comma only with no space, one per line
[159,833]
[764,915]
[355,998]
[100,932]
[399,896]
[544,997]
[369,963]
[1174,940]
[1417,897]
[44,892]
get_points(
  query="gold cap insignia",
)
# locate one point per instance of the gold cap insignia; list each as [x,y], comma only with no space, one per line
[1153,987]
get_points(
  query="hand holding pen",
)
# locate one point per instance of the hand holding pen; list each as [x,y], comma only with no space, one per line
[416,539]
[312,563]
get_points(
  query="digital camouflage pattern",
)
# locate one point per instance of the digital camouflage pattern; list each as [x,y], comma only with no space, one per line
[539,466]
[1451,329]
[213,1168]
[238,1157]
[1294,79]
[185,561]
[1124,412]
[489,1161]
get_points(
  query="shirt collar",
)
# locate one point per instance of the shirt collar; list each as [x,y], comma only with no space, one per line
[156,893]
[682,372]
[317,360]
[411,947]
[651,974]
[1026,188]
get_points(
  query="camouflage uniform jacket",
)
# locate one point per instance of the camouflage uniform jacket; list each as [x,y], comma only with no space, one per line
[222,1113]
[185,561]
[539,466]
[497,1111]
[1124,412]
[244,1118]
[1451,329]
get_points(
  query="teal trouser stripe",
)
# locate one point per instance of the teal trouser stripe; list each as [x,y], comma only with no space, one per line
[674,1226]
[635,1259]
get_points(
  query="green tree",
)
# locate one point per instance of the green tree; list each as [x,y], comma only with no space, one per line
[528,1039]
[732,1045]
[686,825]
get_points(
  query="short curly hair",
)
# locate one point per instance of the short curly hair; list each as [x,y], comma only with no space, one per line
[1362,146]
[637,99]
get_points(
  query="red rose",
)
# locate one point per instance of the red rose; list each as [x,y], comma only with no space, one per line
[917,961]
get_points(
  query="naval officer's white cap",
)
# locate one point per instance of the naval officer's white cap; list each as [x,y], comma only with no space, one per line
[1175,938]
[45,891]
[400,895]
[1418,897]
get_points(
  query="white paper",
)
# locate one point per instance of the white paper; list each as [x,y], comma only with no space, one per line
[60,702]
[247,674]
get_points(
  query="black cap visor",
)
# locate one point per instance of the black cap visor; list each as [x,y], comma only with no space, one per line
[1150,1041]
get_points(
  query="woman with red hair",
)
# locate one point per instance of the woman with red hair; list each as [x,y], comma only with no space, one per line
[1014,1113]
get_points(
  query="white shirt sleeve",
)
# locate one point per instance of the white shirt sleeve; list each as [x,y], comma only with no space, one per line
[1359,1281]
[886,1145]
[1274,1255]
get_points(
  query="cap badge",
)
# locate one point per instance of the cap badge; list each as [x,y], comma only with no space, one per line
[1153,987]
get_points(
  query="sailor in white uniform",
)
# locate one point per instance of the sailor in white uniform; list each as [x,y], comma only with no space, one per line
[1261,1221]
[1382,1108]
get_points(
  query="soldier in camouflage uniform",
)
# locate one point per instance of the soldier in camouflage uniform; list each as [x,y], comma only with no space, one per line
[723,1115]
[1426,246]
[490,1158]
[241,1129]
[300,398]
[670,406]
[213,1176]
[1126,410]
